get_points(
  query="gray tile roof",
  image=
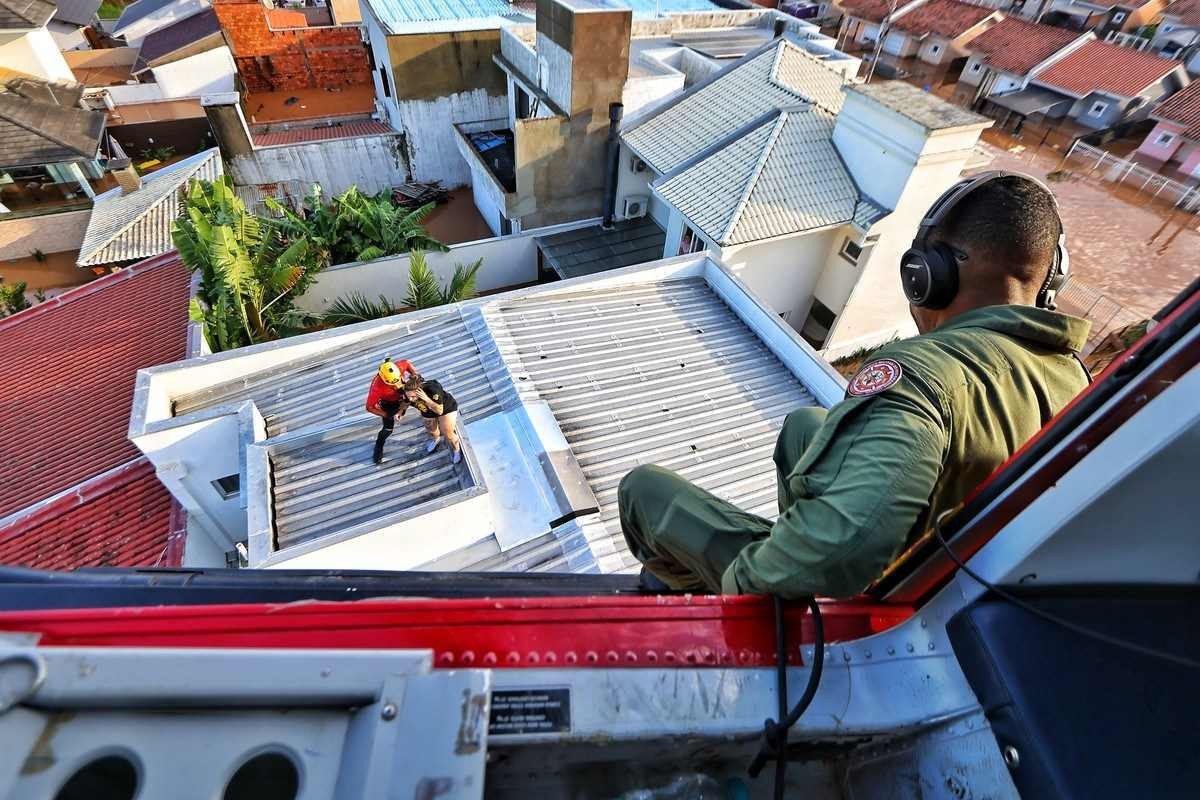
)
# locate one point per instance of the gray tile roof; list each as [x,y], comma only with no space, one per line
[778,75]
[868,212]
[24,14]
[927,110]
[177,36]
[136,225]
[633,374]
[33,132]
[76,12]
[783,177]
[586,251]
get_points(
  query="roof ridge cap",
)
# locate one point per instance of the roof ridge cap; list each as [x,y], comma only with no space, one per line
[755,174]
[189,171]
[91,287]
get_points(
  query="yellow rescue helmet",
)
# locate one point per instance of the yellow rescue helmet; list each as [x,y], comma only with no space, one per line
[390,373]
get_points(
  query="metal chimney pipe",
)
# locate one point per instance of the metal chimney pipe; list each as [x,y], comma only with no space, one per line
[612,162]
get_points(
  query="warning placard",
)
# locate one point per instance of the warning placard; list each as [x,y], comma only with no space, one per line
[530,711]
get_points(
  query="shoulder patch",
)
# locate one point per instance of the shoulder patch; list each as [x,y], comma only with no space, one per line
[874,378]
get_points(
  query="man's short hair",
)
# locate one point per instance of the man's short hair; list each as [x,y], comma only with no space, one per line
[1010,222]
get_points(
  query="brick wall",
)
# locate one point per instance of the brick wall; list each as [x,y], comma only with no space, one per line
[271,60]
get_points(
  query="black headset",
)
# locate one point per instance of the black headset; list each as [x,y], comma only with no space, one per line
[929,270]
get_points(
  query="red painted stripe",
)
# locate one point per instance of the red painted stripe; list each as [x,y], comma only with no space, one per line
[604,632]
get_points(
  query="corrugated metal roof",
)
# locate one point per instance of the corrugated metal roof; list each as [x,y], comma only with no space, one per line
[317,392]
[408,16]
[125,226]
[779,75]
[650,373]
[586,251]
[783,177]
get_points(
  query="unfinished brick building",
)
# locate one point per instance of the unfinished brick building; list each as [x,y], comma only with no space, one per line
[279,50]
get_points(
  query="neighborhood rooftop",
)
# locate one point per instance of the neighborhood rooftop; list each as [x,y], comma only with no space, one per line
[948,18]
[1016,46]
[412,16]
[782,177]
[778,75]
[24,14]
[1183,108]
[132,225]
[33,131]
[76,492]
[870,10]
[923,108]
[186,32]
[1103,67]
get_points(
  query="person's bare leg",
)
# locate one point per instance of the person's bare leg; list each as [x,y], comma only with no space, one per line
[448,425]
[435,435]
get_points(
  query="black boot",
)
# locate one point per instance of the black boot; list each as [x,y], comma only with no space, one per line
[377,457]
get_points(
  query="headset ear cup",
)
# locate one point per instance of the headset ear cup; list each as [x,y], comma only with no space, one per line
[943,276]
[1057,277]
[914,276]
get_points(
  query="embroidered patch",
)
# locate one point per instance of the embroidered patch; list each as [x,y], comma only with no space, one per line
[874,378]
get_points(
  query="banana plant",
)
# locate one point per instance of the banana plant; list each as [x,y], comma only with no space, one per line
[251,269]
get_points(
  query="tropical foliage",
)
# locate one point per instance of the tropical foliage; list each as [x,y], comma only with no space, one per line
[251,269]
[12,298]
[357,227]
[424,291]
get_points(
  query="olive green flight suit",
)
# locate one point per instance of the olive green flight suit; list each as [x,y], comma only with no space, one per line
[861,481]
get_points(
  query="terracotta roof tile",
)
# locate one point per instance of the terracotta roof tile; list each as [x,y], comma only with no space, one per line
[1183,107]
[347,131]
[123,518]
[67,376]
[1188,11]
[871,10]
[1101,67]
[948,18]
[1016,46]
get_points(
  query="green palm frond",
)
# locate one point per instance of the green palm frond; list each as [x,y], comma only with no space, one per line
[357,307]
[423,289]
[462,283]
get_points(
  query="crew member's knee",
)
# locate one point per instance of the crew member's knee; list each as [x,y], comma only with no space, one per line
[637,483]
[799,429]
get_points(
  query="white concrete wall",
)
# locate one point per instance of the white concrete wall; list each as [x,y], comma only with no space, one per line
[373,163]
[130,93]
[507,261]
[637,184]
[377,39]
[488,201]
[902,166]
[428,126]
[50,233]
[644,94]
[210,72]
[944,50]
[839,276]
[973,70]
[900,44]
[139,29]
[783,272]
[34,53]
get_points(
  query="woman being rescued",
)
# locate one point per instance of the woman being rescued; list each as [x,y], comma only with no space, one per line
[439,411]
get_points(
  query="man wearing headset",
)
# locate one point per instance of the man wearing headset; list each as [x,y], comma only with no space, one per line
[921,425]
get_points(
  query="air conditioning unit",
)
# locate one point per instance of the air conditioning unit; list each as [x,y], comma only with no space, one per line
[635,206]
[637,165]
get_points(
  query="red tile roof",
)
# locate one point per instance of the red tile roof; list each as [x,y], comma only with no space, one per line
[1183,107]
[1101,67]
[1188,11]
[948,18]
[67,376]
[346,131]
[1016,46]
[872,10]
[123,518]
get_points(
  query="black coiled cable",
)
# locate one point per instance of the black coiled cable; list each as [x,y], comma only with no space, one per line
[775,734]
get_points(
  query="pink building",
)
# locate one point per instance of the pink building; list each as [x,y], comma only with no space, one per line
[1175,140]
